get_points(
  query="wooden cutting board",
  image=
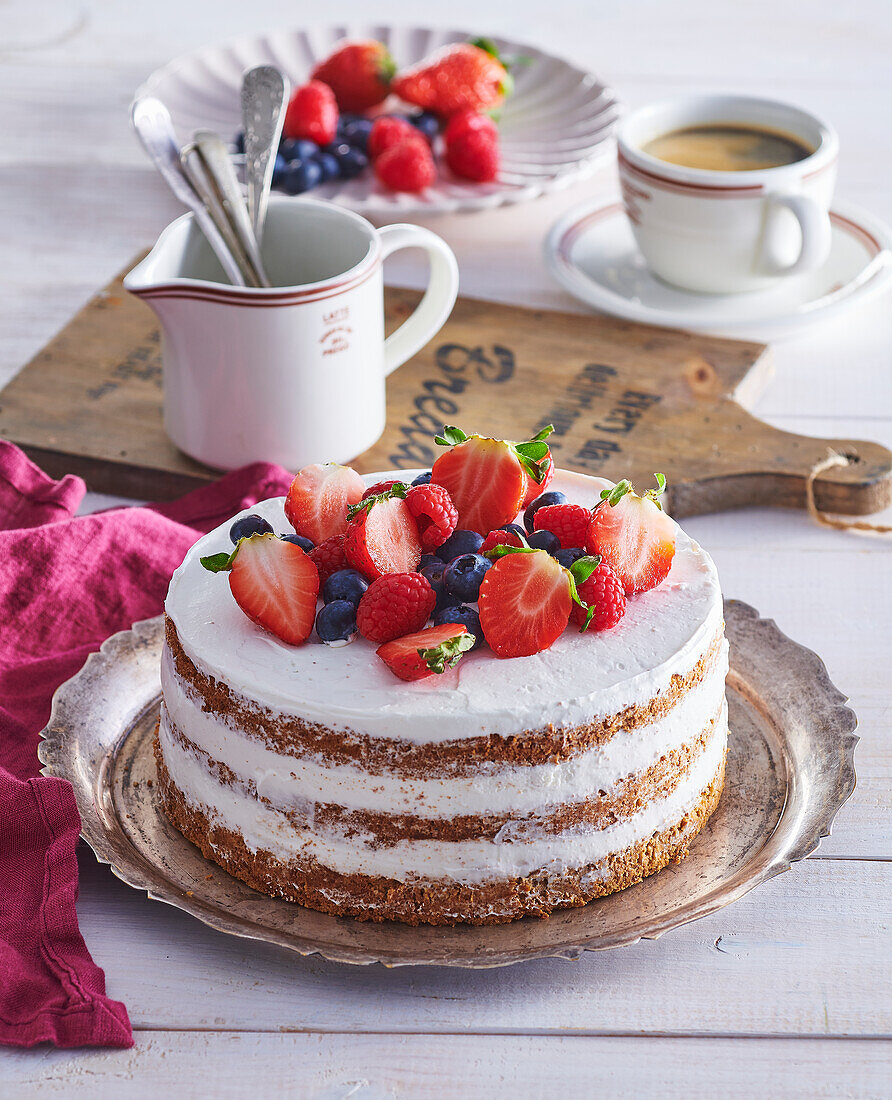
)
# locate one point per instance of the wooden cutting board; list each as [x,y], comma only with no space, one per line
[625,400]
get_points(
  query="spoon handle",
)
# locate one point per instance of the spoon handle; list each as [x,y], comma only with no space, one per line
[265,93]
[221,175]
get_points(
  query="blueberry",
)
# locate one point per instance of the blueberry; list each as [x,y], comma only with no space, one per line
[515,529]
[446,599]
[344,120]
[249,525]
[464,575]
[298,149]
[544,540]
[423,479]
[351,162]
[459,542]
[541,502]
[302,176]
[433,574]
[567,557]
[465,615]
[239,141]
[336,622]
[357,131]
[328,162]
[427,122]
[299,540]
[280,166]
[429,559]
[345,585]
[288,150]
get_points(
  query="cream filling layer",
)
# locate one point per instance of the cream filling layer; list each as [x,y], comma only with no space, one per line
[468,861]
[297,781]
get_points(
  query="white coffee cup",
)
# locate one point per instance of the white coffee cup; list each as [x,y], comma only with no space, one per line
[292,374]
[728,232]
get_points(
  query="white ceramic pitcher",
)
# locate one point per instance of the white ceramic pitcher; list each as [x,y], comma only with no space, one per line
[294,373]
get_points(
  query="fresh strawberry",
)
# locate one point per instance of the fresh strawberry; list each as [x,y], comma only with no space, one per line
[633,535]
[408,166]
[329,557]
[387,131]
[464,121]
[487,478]
[474,155]
[426,653]
[500,538]
[602,591]
[312,113]
[569,522]
[380,487]
[524,603]
[359,74]
[465,74]
[394,605]
[537,488]
[274,583]
[434,512]
[317,502]
[382,535]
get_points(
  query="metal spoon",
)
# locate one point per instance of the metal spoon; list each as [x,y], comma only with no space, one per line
[265,93]
[152,124]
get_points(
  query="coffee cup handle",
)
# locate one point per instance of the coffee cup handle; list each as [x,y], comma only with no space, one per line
[814,224]
[439,298]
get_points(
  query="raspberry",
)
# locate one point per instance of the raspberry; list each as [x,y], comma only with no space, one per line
[387,131]
[500,538]
[329,557]
[474,155]
[569,522]
[603,591]
[462,122]
[434,512]
[408,166]
[394,605]
[379,487]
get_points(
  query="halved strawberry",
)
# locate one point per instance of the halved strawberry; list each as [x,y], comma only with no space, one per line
[274,583]
[537,488]
[380,487]
[487,478]
[382,535]
[427,653]
[524,602]
[633,535]
[317,502]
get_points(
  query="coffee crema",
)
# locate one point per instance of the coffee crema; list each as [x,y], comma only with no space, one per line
[724,147]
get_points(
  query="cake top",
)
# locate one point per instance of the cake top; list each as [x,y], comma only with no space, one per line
[577,679]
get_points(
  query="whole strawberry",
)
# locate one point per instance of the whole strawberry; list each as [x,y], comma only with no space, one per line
[434,512]
[466,74]
[465,121]
[602,591]
[388,130]
[429,652]
[312,113]
[359,74]
[407,166]
[633,535]
[393,605]
[474,155]
[569,522]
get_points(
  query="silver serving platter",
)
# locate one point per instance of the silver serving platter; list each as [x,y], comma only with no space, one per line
[790,768]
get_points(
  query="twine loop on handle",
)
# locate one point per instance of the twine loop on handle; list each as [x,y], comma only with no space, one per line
[833,460]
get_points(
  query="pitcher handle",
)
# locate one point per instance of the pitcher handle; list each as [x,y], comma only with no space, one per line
[431,312]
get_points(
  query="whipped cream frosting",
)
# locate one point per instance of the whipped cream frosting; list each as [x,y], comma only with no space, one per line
[579,679]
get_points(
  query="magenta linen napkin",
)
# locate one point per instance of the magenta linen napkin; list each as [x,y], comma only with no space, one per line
[66,584]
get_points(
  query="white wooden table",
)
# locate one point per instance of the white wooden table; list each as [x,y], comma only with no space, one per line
[788,991]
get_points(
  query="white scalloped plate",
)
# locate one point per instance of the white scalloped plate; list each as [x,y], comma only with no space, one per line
[553,129]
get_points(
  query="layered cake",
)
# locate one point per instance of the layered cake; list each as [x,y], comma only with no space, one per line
[479,788]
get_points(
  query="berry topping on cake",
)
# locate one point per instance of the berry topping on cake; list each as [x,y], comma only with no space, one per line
[388,131]
[312,114]
[460,542]
[273,582]
[336,623]
[249,525]
[568,521]
[394,605]
[317,502]
[426,653]
[329,557]
[487,478]
[381,487]
[463,576]
[535,488]
[465,74]
[382,535]
[545,500]
[434,512]
[305,544]
[570,556]
[603,592]
[359,74]
[502,537]
[423,479]
[346,584]
[465,615]
[633,535]
[544,540]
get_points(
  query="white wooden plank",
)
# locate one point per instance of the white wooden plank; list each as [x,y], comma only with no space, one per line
[806,954]
[375,1067]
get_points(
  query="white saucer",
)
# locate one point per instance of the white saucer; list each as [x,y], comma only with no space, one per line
[592,253]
